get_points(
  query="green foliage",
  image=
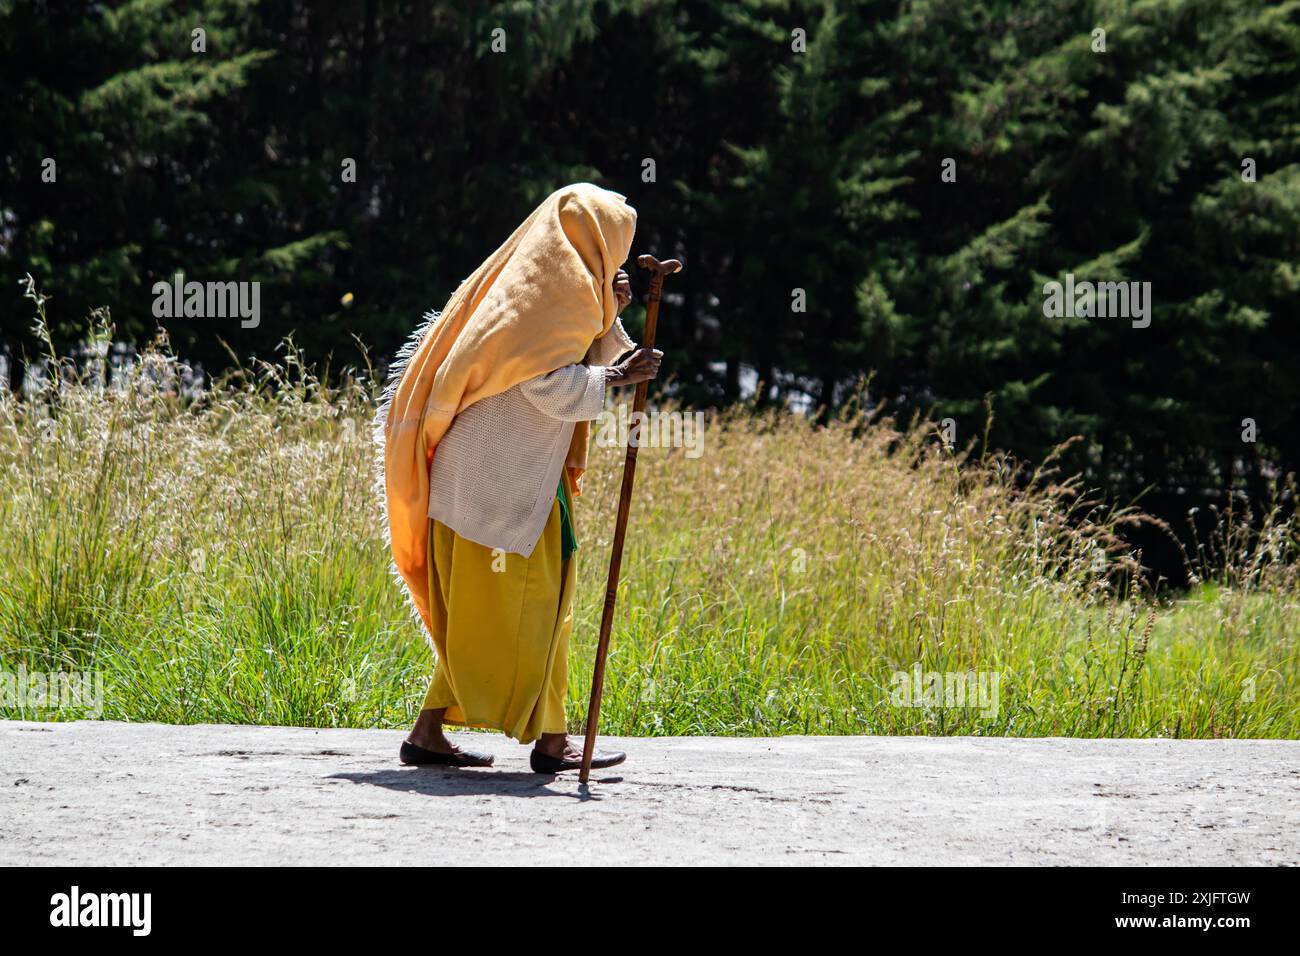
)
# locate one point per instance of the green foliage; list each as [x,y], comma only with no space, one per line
[776,170]
[222,558]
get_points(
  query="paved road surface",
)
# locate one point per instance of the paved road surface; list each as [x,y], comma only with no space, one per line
[113,793]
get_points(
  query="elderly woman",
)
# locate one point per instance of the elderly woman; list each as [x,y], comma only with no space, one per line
[484,434]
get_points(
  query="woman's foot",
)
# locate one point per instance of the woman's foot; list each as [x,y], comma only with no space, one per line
[436,742]
[427,744]
[554,753]
[427,733]
[559,746]
[415,756]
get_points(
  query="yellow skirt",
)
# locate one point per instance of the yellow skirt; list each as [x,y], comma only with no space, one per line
[501,625]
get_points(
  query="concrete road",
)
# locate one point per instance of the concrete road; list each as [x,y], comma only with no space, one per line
[114,793]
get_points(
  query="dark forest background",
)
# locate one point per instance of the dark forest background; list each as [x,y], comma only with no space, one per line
[774,170]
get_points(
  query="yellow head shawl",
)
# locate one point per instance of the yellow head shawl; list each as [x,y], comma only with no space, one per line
[537,304]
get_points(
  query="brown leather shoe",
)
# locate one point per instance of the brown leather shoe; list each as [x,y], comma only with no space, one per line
[412,755]
[545,763]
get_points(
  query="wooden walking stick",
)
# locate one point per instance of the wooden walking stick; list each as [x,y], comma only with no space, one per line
[657,272]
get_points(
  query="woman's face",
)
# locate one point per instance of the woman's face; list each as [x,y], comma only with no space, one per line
[622,289]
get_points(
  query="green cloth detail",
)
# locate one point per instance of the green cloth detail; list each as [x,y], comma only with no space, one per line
[568,537]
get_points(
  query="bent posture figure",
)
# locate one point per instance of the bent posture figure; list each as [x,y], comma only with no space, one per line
[485,437]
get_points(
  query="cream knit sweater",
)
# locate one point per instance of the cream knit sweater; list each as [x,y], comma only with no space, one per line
[495,472]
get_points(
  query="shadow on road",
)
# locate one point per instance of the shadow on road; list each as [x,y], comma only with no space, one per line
[460,782]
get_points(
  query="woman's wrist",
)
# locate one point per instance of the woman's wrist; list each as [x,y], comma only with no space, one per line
[613,375]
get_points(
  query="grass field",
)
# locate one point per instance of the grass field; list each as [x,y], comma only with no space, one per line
[223,560]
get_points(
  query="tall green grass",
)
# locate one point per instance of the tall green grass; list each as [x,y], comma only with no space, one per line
[222,559]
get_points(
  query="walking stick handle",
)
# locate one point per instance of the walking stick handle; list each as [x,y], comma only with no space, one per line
[657,271]
[665,268]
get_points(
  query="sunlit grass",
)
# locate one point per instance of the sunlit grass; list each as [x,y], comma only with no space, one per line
[223,560]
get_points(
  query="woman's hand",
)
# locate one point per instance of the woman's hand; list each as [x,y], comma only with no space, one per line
[622,289]
[641,366]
